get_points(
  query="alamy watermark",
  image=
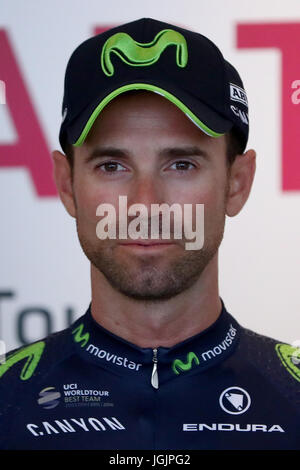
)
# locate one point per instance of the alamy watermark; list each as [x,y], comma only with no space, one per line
[2,92]
[157,224]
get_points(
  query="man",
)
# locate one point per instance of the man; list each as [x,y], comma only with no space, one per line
[154,114]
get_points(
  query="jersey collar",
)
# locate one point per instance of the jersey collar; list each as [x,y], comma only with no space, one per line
[104,349]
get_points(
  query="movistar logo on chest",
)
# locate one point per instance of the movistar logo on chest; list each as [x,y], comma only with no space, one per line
[82,337]
[192,359]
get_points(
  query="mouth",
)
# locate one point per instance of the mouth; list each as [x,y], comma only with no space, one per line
[147,244]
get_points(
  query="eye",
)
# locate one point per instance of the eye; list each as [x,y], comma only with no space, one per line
[111,167]
[183,165]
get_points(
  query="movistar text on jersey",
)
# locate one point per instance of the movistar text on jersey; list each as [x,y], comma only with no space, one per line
[180,365]
[219,348]
[109,357]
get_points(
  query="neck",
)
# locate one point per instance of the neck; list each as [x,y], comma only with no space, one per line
[160,323]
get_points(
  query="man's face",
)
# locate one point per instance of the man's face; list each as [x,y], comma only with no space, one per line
[143,147]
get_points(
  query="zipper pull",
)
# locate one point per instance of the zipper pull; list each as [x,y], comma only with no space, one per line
[154,377]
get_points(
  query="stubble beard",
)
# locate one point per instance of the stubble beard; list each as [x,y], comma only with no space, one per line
[149,278]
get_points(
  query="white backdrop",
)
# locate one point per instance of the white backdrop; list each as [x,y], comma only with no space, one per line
[44,277]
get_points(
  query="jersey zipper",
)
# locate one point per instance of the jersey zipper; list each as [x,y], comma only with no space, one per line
[154,376]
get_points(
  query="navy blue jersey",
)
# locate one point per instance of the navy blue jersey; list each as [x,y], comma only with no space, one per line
[86,388]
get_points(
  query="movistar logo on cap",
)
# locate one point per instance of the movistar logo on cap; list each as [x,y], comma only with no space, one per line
[142,54]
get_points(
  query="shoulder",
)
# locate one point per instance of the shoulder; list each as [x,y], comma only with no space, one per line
[25,368]
[31,361]
[276,361]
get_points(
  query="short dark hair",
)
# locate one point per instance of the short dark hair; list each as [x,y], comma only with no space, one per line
[69,152]
[235,146]
[234,142]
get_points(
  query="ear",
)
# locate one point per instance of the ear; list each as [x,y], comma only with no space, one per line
[63,180]
[240,182]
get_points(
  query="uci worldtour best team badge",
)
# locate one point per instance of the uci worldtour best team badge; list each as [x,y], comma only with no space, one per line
[49,398]
[235,400]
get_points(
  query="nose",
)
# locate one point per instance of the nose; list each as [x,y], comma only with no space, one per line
[146,189]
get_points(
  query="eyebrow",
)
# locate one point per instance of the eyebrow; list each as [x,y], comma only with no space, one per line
[107,152]
[179,151]
[184,151]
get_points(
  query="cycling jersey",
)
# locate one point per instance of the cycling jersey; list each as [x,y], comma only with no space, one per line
[86,388]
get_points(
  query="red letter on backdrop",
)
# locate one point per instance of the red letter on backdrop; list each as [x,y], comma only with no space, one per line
[30,150]
[101,29]
[285,37]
